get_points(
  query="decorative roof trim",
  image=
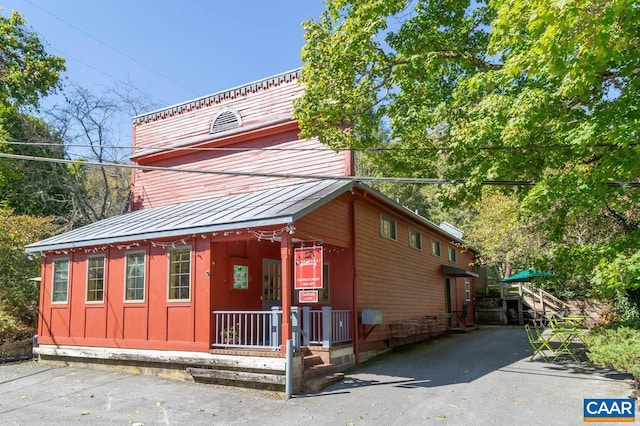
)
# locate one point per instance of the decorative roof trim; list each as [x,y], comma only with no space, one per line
[218,97]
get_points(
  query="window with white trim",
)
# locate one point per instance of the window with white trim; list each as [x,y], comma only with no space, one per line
[180,274]
[467,290]
[60,283]
[135,277]
[95,279]
[387,227]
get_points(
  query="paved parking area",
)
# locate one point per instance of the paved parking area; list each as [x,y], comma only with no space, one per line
[478,378]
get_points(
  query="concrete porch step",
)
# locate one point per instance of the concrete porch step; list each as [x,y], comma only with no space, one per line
[317,370]
[311,360]
[316,384]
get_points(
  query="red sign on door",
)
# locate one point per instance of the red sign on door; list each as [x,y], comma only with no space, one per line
[308,296]
[308,268]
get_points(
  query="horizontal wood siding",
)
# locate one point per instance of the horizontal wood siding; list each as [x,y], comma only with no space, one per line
[156,188]
[254,108]
[330,223]
[390,275]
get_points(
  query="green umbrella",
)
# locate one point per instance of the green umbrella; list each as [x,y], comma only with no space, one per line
[526,275]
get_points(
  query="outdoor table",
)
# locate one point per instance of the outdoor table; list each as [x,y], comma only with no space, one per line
[566,333]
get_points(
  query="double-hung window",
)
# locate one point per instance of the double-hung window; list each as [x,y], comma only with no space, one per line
[435,248]
[415,239]
[134,280]
[453,255]
[95,279]
[60,284]
[387,227]
[180,274]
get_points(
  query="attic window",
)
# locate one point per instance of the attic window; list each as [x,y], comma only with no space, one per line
[226,119]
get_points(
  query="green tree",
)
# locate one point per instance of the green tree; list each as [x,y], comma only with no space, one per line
[505,240]
[27,74]
[19,295]
[27,71]
[506,91]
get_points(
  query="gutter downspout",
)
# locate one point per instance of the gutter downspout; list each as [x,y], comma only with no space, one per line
[356,328]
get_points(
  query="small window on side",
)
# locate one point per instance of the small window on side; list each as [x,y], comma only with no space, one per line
[453,255]
[415,239]
[388,227]
[435,248]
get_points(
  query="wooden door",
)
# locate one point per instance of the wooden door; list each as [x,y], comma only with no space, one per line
[271,283]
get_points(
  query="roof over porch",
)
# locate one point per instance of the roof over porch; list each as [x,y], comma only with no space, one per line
[260,208]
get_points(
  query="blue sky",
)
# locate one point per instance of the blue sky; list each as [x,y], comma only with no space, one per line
[172,51]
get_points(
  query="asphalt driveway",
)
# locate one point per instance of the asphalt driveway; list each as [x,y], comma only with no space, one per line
[478,378]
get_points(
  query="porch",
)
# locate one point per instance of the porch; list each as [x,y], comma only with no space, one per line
[262,330]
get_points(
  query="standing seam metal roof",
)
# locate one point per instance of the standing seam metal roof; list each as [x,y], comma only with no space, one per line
[261,208]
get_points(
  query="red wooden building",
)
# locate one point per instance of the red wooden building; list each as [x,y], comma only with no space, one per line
[265,238]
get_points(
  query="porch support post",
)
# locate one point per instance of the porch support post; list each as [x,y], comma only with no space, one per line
[326,326]
[306,322]
[286,256]
[295,327]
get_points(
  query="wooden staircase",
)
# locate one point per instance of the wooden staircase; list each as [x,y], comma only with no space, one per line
[318,372]
[541,301]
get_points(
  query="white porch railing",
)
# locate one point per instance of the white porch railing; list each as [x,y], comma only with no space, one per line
[262,329]
[247,329]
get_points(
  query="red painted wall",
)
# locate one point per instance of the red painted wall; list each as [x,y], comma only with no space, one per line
[154,323]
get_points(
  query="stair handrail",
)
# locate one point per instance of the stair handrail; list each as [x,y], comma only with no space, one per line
[544,298]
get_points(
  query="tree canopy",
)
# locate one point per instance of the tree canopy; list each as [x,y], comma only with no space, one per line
[538,96]
[27,71]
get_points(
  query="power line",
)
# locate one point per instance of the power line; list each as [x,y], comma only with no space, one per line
[431,181]
[131,58]
[157,148]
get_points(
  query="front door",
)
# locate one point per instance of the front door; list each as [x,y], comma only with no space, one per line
[447,301]
[271,283]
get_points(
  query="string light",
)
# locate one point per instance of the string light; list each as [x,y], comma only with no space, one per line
[271,235]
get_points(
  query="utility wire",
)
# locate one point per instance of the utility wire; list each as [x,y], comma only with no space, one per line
[431,181]
[156,148]
[131,58]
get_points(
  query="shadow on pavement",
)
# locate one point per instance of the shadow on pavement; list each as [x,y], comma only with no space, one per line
[462,358]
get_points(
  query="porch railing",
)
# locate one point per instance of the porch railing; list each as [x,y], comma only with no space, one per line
[262,329]
[247,329]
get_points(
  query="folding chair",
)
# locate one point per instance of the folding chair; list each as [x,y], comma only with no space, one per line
[538,343]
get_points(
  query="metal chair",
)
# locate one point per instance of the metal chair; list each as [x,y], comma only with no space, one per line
[538,342]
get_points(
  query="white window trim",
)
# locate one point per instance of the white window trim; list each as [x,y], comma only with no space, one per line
[104,280]
[467,290]
[126,269]
[190,274]
[53,279]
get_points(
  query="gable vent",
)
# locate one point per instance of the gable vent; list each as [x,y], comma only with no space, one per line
[226,119]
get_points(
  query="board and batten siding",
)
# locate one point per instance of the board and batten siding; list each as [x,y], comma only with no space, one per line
[153,323]
[390,275]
